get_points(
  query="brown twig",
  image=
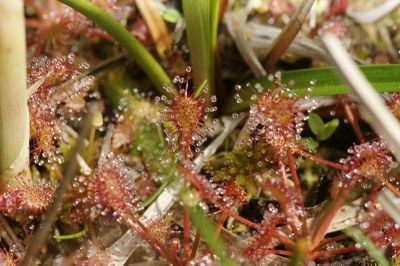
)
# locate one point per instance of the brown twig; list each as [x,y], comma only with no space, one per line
[68,173]
[287,35]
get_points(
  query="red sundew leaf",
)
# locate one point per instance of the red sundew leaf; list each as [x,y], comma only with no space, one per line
[369,160]
[187,115]
[31,197]
[276,117]
[48,102]
[7,258]
[111,187]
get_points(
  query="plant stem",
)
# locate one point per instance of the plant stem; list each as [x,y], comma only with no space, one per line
[186,234]
[352,118]
[155,195]
[288,207]
[195,244]
[296,182]
[14,114]
[220,224]
[330,253]
[287,35]
[135,49]
[299,252]
[323,224]
[331,240]
[295,177]
[68,173]
[324,162]
[136,225]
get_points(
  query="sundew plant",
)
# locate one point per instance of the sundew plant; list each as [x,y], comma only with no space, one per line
[199,132]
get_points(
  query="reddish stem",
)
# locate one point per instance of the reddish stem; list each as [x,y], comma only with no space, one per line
[327,254]
[195,245]
[220,224]
[391,187]
[186,230]
[34,23]
[295,177]
[324,223]
[282,170]
[240,218]
[353,121]
[289,207]
[144,233]
[323,161]
[199,186]
[297,186]
[330,240]
[372,195]
[186,235]
[284,240]
[278,252]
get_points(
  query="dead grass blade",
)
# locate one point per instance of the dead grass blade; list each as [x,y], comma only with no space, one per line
[288,34]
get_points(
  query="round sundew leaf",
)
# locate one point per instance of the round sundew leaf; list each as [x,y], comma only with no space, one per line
[171,15]
[329,129]
[316,124]
[309,143]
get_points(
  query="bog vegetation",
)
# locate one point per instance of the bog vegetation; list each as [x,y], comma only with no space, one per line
[195,133]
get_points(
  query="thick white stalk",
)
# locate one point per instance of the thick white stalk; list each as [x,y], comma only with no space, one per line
[371,104]
[14,114]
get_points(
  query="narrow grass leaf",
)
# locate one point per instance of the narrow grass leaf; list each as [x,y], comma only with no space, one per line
[367,244]
[135,49]
[384,78]
[207,230]
[201,17]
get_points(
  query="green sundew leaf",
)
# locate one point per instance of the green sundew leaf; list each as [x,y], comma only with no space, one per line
[367,244]
[207,229]
[329,129]
[201,17]
[171,15]
[316,124]
[310,143]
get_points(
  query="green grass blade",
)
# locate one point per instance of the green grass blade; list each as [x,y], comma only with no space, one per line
[135,49]
[201,17]
[367,244]
[384,78]
[299,250]
[207,229]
